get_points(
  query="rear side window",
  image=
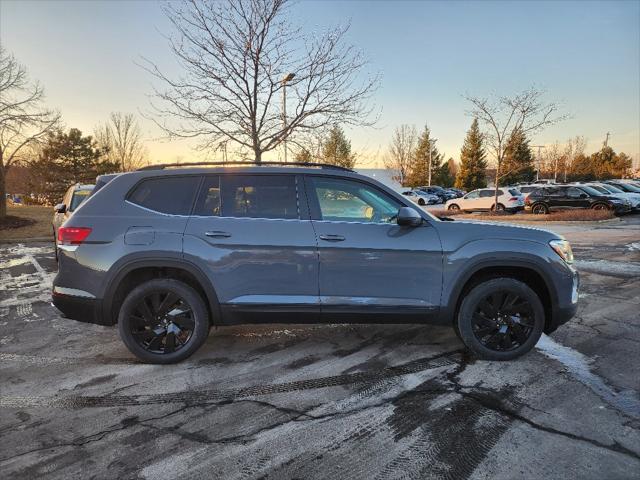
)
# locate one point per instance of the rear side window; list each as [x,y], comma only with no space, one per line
[488,193]
[514,192]
[259,196]
[170,195]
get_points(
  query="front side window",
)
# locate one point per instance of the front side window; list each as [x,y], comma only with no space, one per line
[472,195]
[170,195]
[350,201]
[259,196]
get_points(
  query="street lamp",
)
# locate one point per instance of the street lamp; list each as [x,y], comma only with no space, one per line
[287,78]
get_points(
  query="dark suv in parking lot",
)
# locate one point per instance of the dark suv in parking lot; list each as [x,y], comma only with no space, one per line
[167,252]
[562,197]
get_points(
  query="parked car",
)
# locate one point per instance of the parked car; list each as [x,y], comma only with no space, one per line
[421,197]
[509,199]
[166,252]
[457,192]
[73,198]
[527,189]
[439,191]
[624,186]
[561,197]
[610,189]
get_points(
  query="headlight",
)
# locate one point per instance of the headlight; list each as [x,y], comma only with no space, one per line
[562,248]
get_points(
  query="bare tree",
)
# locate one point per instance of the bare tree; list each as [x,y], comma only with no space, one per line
[238,57]
[524,112]
[575,147]
[122,138]
[23,119]
[401,152]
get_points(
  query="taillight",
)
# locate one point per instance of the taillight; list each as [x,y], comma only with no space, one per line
[514,199]
[72,235]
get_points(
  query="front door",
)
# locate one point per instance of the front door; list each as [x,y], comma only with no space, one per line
[368,263]
[254,238]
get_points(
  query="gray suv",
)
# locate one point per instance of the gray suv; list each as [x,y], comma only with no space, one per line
[166,252]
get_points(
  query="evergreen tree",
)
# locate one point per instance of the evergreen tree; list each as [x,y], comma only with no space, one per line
[304,156]
[66,159]
[419,171]
[518,164]
[473,160]
[336,149]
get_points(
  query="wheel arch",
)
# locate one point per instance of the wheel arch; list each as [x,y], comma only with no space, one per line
[526,272]
[135,272]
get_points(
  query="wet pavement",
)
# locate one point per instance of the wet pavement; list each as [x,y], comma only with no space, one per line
[325,401]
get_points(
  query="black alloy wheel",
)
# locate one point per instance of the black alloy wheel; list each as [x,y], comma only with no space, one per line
[500,319]
[503,321]
[163,321]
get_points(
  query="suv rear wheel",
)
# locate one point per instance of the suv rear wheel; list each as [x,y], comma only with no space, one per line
[500,319]
[163,321]
[539,209]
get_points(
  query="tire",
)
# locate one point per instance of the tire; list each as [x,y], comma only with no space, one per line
[453,207]
[498,208]
[500,333]
[539,209]
[421,202]
[141,336]
[599,206]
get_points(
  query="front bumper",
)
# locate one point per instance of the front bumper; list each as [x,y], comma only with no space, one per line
[564,310]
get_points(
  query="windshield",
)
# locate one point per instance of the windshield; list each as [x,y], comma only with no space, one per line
[628,188]
[611,188]
[590,190]
[601,189]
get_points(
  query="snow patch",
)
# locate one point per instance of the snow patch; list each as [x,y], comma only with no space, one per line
[579,367]
[607,267]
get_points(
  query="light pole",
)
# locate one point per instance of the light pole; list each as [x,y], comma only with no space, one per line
[432,141]
[287,78]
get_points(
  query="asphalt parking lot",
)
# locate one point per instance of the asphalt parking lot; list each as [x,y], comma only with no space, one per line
[326,401]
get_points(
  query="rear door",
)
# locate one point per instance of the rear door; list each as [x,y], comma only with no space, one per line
[253,236]
[368,263]
[487,198]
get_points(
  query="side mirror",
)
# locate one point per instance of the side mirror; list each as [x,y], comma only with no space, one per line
[583,195]
[60,208]
[408,217]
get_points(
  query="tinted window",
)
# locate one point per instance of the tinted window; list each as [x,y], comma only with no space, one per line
[514,192]
[172,195]
[487,193]
[576,192]
[350,201]
[209,199]
[555,192]
[259,196]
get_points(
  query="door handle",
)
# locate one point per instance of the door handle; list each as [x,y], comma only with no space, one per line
[218,234]
[332,238]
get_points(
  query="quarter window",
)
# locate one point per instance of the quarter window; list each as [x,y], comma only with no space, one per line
[171,195]
[349,201]
[259,196]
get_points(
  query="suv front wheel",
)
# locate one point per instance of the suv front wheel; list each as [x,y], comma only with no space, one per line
[163,321]
[500,319]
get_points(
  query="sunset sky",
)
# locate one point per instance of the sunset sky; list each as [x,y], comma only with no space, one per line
[585,54]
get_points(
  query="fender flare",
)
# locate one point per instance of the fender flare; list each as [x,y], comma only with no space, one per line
[121,271]
[454,297]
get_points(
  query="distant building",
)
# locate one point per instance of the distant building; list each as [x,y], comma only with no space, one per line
[383,175]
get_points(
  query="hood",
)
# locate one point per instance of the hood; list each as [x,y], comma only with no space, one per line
[460,232]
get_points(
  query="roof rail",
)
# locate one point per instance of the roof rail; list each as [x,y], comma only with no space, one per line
[250,164]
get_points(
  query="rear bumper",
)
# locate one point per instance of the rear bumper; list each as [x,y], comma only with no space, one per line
[82,309]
